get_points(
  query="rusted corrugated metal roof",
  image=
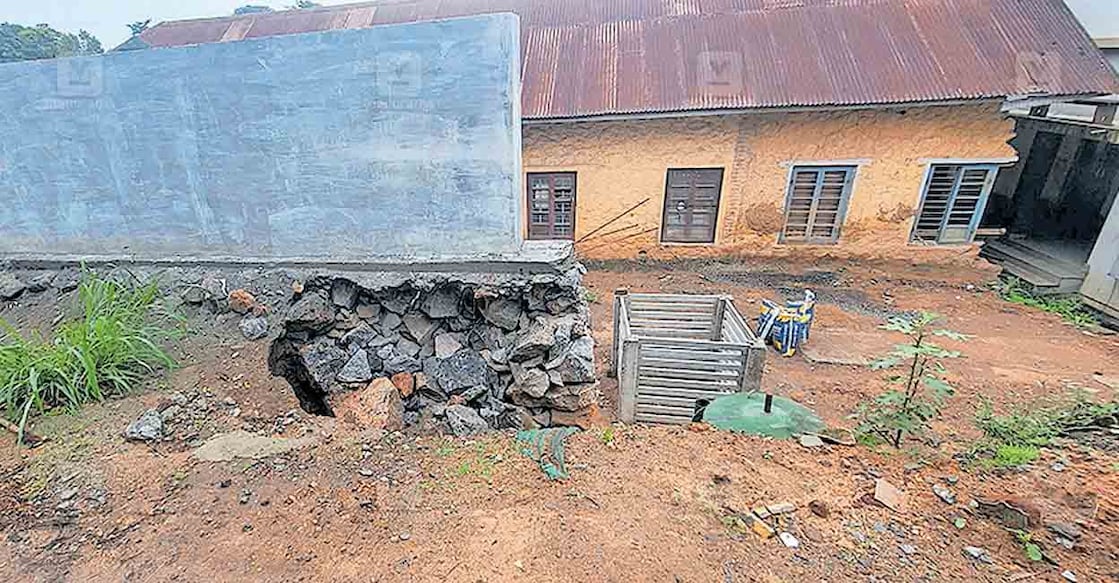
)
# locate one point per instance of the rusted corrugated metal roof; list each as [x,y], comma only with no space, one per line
[600,57]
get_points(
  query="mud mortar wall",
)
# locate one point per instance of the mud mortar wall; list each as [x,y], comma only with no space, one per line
[395,141]
[619,164]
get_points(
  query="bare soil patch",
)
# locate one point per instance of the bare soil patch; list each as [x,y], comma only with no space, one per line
[642,503]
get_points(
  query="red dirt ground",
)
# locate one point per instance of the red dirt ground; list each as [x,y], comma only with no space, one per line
[648,505]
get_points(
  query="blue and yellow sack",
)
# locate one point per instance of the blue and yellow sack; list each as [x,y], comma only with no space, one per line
[785,327]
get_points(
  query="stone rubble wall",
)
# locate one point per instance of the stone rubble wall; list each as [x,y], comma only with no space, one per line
[465,352]
[474,355]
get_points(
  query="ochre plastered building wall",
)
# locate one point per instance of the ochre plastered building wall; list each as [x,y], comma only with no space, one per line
[619,164]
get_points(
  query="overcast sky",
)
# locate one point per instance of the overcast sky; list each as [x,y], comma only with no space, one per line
[107,19]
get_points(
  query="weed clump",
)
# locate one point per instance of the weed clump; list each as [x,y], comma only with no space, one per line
[1014,439]
[105,351]
[1068,307]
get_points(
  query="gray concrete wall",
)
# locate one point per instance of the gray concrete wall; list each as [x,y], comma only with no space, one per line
[392,142]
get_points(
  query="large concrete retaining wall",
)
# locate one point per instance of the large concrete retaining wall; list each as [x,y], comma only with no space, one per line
[619,164]
[393,142]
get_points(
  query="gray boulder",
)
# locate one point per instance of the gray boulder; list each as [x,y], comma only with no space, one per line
[11,286]
[253,327]
[312,313]
[529,381]
[389,321]
[461,371]
[343,293]
[368,311]
[147,427]
[419,326]
[356,369]
[535,341]
[407,347]
[396,362]
[399,300]
[442,303]
[323,361]
[503,312]
[569,397]
[446,345]
[41,282]
[465,421]
[578,364]
[362,335]
[67,280]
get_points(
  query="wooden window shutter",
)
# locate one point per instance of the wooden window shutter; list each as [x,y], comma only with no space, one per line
[953,202]
[816,203]
[551,205]
[691,205]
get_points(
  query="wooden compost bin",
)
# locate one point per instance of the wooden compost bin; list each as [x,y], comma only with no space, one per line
[673,351]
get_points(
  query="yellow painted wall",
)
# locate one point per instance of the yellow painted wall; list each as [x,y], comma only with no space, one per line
[621,163]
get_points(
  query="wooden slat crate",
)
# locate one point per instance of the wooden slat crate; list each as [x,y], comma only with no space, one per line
[673,351]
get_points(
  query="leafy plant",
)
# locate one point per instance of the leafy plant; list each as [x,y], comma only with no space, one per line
[1068,307]
[106,351]
[909,409]
[1014,439]
[607,436]
[1031,549]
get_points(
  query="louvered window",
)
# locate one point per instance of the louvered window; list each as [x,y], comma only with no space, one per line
[953,202]
[816,203]
[551,205]
[691,205]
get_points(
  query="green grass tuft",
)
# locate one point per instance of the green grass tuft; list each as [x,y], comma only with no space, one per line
[1013,440]
[1068,307]
[107,350]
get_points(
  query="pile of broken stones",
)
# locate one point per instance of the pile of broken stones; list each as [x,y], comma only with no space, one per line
[467,355]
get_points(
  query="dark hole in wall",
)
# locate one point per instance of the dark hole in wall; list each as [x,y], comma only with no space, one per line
[284,361]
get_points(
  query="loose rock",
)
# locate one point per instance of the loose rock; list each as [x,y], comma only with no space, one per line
[147,427]
[405,382]
[811,441]
[944,494]
[241,301]
[254,327]
[378,406]
[978,554]
[11,287]
[465,421]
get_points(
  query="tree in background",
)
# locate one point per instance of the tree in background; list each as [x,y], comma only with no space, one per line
[251,9]
[139,26]
[28,43]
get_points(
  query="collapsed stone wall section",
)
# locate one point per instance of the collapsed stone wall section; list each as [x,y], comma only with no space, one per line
[471,353]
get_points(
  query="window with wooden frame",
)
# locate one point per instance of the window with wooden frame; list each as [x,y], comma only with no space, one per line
[952,202]
[816,203]
[691,205]
[551,205]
